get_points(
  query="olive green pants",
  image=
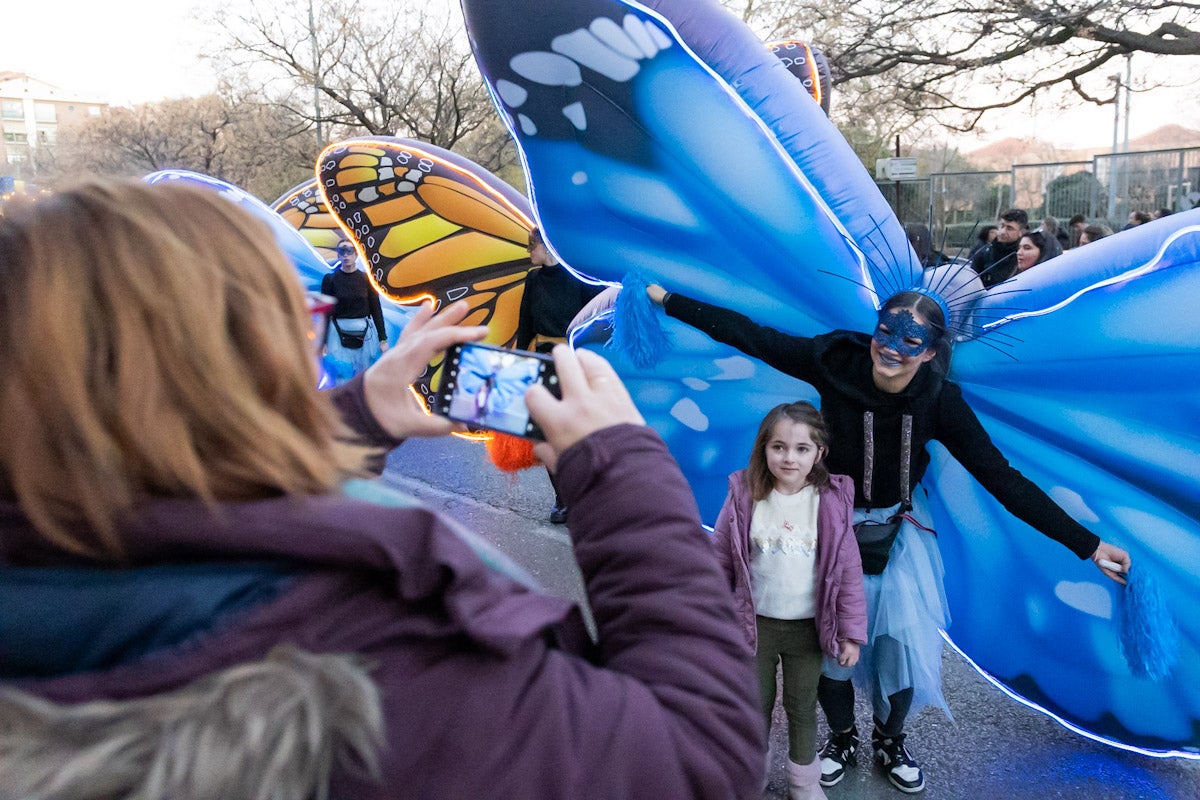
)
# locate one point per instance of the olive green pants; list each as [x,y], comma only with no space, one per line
[794,644]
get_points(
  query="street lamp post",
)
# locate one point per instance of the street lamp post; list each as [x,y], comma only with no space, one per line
[312,38]
[1112,178]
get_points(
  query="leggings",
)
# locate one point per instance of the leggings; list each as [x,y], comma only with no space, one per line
[794,644]
[837,701]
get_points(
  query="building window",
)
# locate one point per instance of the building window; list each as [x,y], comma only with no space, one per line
[94,111]
[71,109]
[15,138]
[11,109]
[45,112]
[47,135]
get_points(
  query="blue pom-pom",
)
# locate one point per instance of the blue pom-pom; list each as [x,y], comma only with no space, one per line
[638,332]
[1149,635]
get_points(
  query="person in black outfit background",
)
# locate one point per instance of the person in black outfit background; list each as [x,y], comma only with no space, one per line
[553,296]
[358,310]
[997,261]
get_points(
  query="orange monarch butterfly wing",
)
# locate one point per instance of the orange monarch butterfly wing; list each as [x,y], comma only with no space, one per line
[305,209]
[432,224]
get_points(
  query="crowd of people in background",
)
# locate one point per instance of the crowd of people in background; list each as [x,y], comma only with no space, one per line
[1010,245]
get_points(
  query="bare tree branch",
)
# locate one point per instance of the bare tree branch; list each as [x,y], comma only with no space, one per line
[959,59]
[379,68]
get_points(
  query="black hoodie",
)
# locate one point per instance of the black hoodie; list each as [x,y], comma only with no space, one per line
[838,365]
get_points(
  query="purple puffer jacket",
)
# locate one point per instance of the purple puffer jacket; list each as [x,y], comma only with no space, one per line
[489,689]
[841,606]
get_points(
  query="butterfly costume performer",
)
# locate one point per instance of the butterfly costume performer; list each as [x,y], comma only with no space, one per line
[664,138]
[310,264]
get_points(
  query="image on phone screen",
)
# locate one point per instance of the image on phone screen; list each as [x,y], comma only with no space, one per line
[485,387]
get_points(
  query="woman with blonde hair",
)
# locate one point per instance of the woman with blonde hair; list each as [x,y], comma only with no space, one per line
[197,603]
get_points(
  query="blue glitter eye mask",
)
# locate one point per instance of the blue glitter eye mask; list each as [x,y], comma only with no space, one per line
[900,326]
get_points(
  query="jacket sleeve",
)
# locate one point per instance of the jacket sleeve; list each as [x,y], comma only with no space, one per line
[791,355]
[966,439]
[852,598]
[671,704]
[361,426]
[722,539]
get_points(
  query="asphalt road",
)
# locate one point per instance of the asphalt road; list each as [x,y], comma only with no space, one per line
[994,749]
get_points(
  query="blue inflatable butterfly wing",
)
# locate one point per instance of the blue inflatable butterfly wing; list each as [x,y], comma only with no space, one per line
[640,156]
[1098,404]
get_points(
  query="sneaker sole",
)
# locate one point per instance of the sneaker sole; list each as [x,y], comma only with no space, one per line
[832,781]
[906,789]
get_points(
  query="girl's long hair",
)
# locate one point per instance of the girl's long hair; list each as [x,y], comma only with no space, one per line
[758,475]
[154,342]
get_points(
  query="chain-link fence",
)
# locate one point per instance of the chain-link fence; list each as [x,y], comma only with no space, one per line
[1127,182]
[954,205]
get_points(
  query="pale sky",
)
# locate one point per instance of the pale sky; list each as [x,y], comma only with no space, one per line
[129,51]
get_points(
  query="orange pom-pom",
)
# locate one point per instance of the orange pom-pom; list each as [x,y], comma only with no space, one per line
[511,453]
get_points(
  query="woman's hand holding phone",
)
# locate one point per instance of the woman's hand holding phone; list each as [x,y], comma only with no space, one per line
[593,397]
[387,385]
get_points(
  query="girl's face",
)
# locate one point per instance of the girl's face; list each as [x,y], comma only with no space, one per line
[1027,254]
[899,347]
[791,453]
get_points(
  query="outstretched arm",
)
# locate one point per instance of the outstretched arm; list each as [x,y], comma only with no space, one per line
[789,354]
[966,439]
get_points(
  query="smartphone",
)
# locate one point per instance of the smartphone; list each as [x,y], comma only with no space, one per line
[484,386]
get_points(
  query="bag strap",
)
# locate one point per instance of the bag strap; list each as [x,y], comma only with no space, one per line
[906,431]
[338,328]
[868,454]
[906,428]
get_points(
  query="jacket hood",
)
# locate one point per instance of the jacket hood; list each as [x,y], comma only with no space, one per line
[268,730]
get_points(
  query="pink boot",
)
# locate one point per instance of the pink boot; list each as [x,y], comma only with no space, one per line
[804,781]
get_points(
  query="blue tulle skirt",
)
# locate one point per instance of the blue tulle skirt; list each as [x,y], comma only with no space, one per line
[906,612]
[343,363]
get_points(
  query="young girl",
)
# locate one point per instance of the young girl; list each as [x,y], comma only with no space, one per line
[785,541]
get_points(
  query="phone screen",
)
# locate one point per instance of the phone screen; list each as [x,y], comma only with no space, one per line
[484,386]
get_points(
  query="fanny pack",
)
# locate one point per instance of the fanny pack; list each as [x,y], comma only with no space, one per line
[349,332]
[875,540]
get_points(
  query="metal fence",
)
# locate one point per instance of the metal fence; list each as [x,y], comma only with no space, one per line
[1105,190]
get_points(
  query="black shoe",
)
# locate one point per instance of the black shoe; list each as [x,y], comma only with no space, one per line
[901,768]
[838,753]
[558,515]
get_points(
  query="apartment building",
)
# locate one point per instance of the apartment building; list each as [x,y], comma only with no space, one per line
[32,113]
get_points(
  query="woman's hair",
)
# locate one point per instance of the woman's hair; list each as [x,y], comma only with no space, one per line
[154,342]
[928,309]
[1095,232]
[1038,240]
[758,475]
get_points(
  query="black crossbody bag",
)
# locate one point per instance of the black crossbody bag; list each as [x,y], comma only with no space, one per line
[351,340]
